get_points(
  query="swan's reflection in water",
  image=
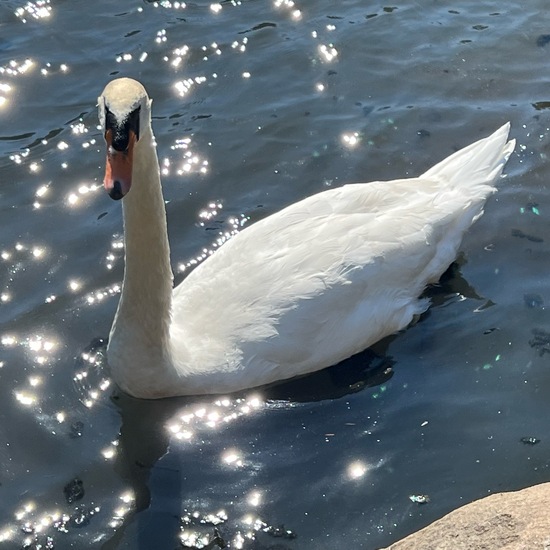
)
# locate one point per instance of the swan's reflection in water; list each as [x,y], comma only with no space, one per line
[186,426]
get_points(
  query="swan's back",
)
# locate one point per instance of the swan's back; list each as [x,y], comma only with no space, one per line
[328,276]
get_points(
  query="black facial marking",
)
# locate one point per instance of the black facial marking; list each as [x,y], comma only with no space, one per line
[121,131]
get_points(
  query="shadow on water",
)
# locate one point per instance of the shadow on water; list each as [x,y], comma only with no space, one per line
[144,438]
[451,283]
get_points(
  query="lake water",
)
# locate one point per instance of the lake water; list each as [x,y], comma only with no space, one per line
[258,104]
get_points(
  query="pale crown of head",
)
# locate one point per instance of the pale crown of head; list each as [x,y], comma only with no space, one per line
[123,96]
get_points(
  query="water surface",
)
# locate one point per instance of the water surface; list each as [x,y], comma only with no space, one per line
[258,104]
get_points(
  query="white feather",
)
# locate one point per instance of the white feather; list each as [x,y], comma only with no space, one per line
[296,292]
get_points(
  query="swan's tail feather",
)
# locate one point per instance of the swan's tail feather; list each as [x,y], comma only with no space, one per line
[481,163]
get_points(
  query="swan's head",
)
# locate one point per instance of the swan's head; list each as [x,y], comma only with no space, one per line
[124,115]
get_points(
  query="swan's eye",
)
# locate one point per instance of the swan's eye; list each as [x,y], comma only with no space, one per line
[121,130]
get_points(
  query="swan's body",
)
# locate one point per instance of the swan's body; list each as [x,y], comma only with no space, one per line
[296,292]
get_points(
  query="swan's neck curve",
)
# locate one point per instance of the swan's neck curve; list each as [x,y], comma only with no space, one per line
[142,322]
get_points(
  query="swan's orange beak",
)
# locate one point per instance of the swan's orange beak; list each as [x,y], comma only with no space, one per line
[118,168]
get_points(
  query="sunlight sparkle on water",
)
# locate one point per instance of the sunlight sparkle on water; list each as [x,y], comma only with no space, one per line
[14,67]
[38,252]
[8,340]
[87,144]
[350,140]
[84,189]
[190,539]
[74,199]
[7,534]
[179,54]
[123,57]
[42,190]
[25,398]
[35,381]
[193,524]
[168,4]
[241,47]
[254,498]
[127,497]
[120,512]
[290,6]
[39,344]
[92,386]
[284,3]
[238,541]
[33,521]
[232,457]
[209,214]
[356,470]
[40,9]
[183,86]
[255,523]
[17,158]
[212,416]
[328,53]
[191,161]
[74,285]
[109,452]
[25,510]
[99,295]
[161,36]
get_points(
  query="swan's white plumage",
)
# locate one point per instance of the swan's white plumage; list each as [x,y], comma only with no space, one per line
[296,292]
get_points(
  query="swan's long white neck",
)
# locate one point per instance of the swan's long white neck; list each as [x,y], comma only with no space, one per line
[143,314]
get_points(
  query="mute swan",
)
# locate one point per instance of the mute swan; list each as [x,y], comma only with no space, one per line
[296,292]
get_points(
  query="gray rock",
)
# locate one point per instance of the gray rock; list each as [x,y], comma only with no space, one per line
[503,521]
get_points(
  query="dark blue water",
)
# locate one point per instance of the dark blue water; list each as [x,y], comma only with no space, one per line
[256,105]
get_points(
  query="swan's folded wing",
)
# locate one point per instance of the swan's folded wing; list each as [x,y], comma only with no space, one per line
[299,287]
